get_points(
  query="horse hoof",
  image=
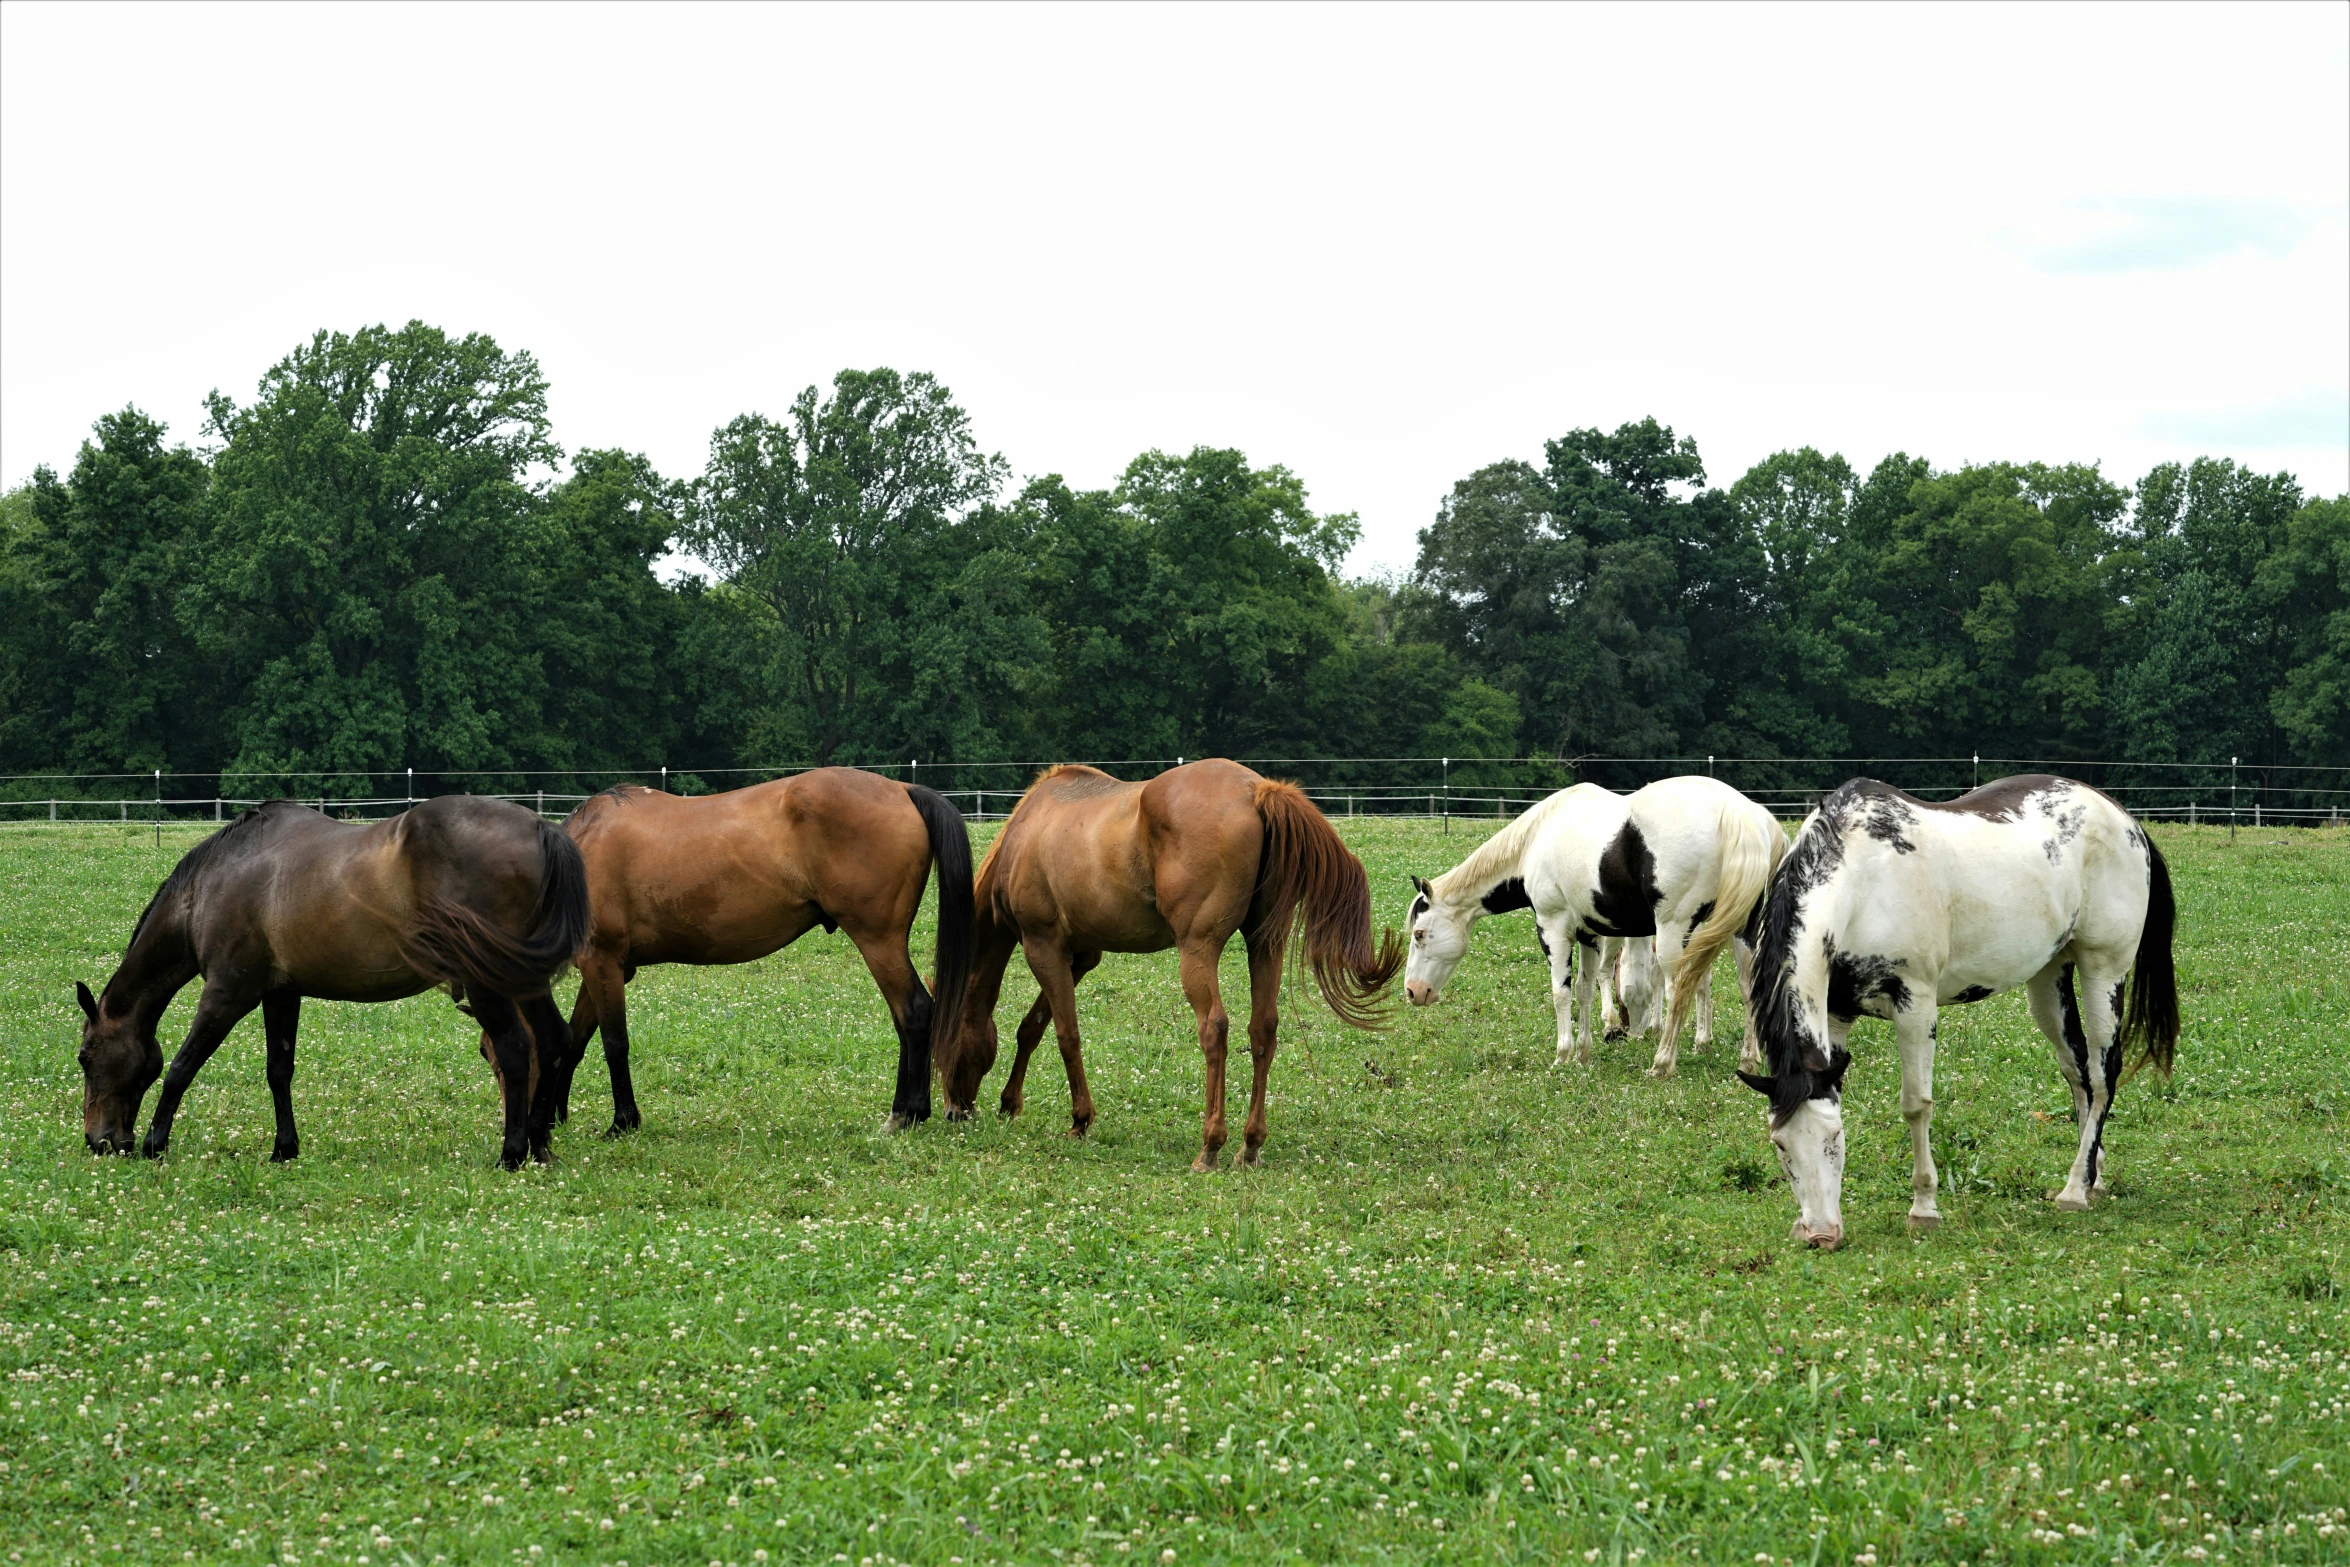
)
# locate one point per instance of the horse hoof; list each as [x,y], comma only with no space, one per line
[1924,1223]
[1205,1164]
[2068,1202]
[897,1121]
[284,1153]
[1078,1130]
[1661,1070]
[1615,1036]
[958,1112]
[1251,1157]
[1008,1109]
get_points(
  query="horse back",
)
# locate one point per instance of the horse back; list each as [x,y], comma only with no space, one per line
[728,878]
[305,902]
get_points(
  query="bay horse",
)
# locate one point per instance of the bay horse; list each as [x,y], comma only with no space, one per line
[1894,907]
[728,878]
[1089,864]
[1684,860]
[284,902]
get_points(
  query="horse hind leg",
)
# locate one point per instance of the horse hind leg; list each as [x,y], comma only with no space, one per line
[2056,1008]
[1215,1027]
[515,1063]
[1915,1030]
[1264,1022]
[891,963]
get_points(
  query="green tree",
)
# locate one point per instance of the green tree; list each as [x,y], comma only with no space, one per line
[835,520]
[376,564]
[99,675]
[2308,581]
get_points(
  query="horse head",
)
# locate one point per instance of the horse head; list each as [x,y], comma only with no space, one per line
[120,1061]
[1439,940]
[1806,1124]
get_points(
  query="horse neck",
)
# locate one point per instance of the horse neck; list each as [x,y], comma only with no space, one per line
[1467,885]
[159,961]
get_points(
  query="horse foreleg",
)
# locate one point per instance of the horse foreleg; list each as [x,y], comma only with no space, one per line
[281,1016]
[1558,945]
[1056,981]
[1038,1018]
[603,1004]
[515,1064]
[217,1011]
[1914,1030]
[1198,968]
[1264,1021]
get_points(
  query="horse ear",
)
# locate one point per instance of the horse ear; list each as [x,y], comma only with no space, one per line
[1815,1060]
[1761,1085]
[1420,885]
[88,1001]
[1833,1078]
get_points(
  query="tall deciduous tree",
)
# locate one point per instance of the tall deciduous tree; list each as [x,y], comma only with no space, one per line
[375,563]
[100,675]
[835,519]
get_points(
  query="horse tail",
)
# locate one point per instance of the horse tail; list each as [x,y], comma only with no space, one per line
[1309,878]
[950,848]
[454,944]
[2151,1019]
[1751,847]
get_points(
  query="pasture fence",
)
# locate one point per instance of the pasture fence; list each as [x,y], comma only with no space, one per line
[1472,788]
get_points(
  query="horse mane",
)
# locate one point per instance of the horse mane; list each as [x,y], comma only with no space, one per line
[185,872]
[1810,863]
[1495,858]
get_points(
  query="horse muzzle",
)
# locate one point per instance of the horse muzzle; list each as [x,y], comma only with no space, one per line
[110,1142]
[1418,992]
[1819,1240]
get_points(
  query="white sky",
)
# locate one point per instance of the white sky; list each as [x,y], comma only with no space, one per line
[1381,246]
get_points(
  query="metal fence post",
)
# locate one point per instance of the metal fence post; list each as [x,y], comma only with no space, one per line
[2232,799]
[1448,797]
[52,810]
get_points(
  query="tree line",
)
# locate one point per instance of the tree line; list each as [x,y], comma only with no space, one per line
[383,560]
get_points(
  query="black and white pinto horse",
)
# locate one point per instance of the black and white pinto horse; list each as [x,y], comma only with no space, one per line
[1684,860]
[1893,907]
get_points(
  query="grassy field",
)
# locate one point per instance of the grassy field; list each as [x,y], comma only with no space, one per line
[1473,1307]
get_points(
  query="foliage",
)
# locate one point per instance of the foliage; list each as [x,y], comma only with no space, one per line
[1472,1307]
[388,563]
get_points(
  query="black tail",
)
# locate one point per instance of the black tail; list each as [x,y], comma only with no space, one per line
[451,942]
[950,847]
[2152,1016]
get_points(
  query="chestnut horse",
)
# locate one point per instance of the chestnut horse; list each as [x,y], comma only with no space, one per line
[479,895]
[1089,864]
[727,878]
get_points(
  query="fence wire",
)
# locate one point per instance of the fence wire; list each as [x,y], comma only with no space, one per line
[1471,788]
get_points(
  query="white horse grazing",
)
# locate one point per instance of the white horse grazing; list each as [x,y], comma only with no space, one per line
[1892,906]
[1684,860]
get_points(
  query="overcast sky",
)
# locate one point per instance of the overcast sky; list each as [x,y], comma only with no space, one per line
[1382,246]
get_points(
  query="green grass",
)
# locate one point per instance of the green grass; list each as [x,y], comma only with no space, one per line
[1475,1308]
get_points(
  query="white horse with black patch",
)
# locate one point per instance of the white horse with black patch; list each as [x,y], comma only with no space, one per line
[1892,906]
[1684,861]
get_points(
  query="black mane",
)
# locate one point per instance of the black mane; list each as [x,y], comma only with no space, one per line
[185,871]
[1800,1066]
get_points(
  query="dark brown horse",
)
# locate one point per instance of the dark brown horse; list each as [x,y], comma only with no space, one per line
[283,903]
[726,878]
[1088,864]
